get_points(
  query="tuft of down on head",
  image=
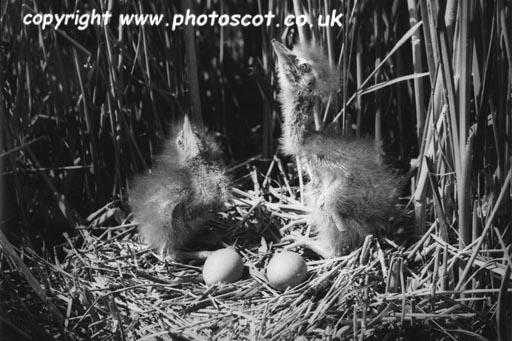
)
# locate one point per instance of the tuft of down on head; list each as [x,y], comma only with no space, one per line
[196,150]
[188,143]
[192,141]
[306,71]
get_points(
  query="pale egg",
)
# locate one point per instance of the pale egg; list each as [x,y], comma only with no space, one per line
[286,270]
[224,265]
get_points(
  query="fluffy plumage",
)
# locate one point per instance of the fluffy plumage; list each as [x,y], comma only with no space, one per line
[187,183]
[351,193]
[305,76]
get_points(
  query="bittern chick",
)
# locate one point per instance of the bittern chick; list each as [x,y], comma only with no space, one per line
[350,192]
[186,185]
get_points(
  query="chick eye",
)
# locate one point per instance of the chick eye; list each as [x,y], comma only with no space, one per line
[304,67]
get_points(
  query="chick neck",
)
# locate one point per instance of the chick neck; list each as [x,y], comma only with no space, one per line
[207,181]
[298,108]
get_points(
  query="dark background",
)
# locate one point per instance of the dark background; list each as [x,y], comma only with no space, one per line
[89,121]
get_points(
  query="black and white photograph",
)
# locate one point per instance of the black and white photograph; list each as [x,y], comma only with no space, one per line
[256,170]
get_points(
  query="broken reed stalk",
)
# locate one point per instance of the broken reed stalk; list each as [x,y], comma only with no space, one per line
[418,68]
[464,65]
[377,99]
[507,41]
[359,80]
[329,34]
[268,68]
[3,154]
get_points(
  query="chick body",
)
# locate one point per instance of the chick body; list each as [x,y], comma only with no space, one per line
[187,184]
[351,193]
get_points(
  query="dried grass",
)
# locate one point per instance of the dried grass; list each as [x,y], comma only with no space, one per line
[112,287]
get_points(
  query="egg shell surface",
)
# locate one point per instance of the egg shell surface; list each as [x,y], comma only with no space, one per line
[223,266]
[286,270]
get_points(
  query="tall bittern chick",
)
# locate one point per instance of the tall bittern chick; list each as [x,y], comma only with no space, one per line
[186,185]
[350,193]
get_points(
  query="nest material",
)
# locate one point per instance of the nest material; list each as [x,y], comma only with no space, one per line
[110,287]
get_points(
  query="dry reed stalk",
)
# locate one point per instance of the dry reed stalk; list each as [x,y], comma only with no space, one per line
[418,68]
[192,65]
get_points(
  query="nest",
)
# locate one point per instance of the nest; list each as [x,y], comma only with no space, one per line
[109,286]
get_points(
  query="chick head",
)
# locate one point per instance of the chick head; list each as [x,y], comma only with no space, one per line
[188,142]
[305,70]
[193,142]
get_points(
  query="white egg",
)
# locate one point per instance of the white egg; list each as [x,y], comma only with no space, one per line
[286,270]
[224,265]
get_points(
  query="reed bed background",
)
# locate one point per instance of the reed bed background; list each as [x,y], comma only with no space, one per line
[83,111]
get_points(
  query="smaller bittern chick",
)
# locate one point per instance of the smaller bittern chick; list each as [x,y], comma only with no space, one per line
[187,185]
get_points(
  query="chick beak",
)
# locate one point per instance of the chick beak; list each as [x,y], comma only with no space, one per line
[187,127]
[188,132]
[284,54]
